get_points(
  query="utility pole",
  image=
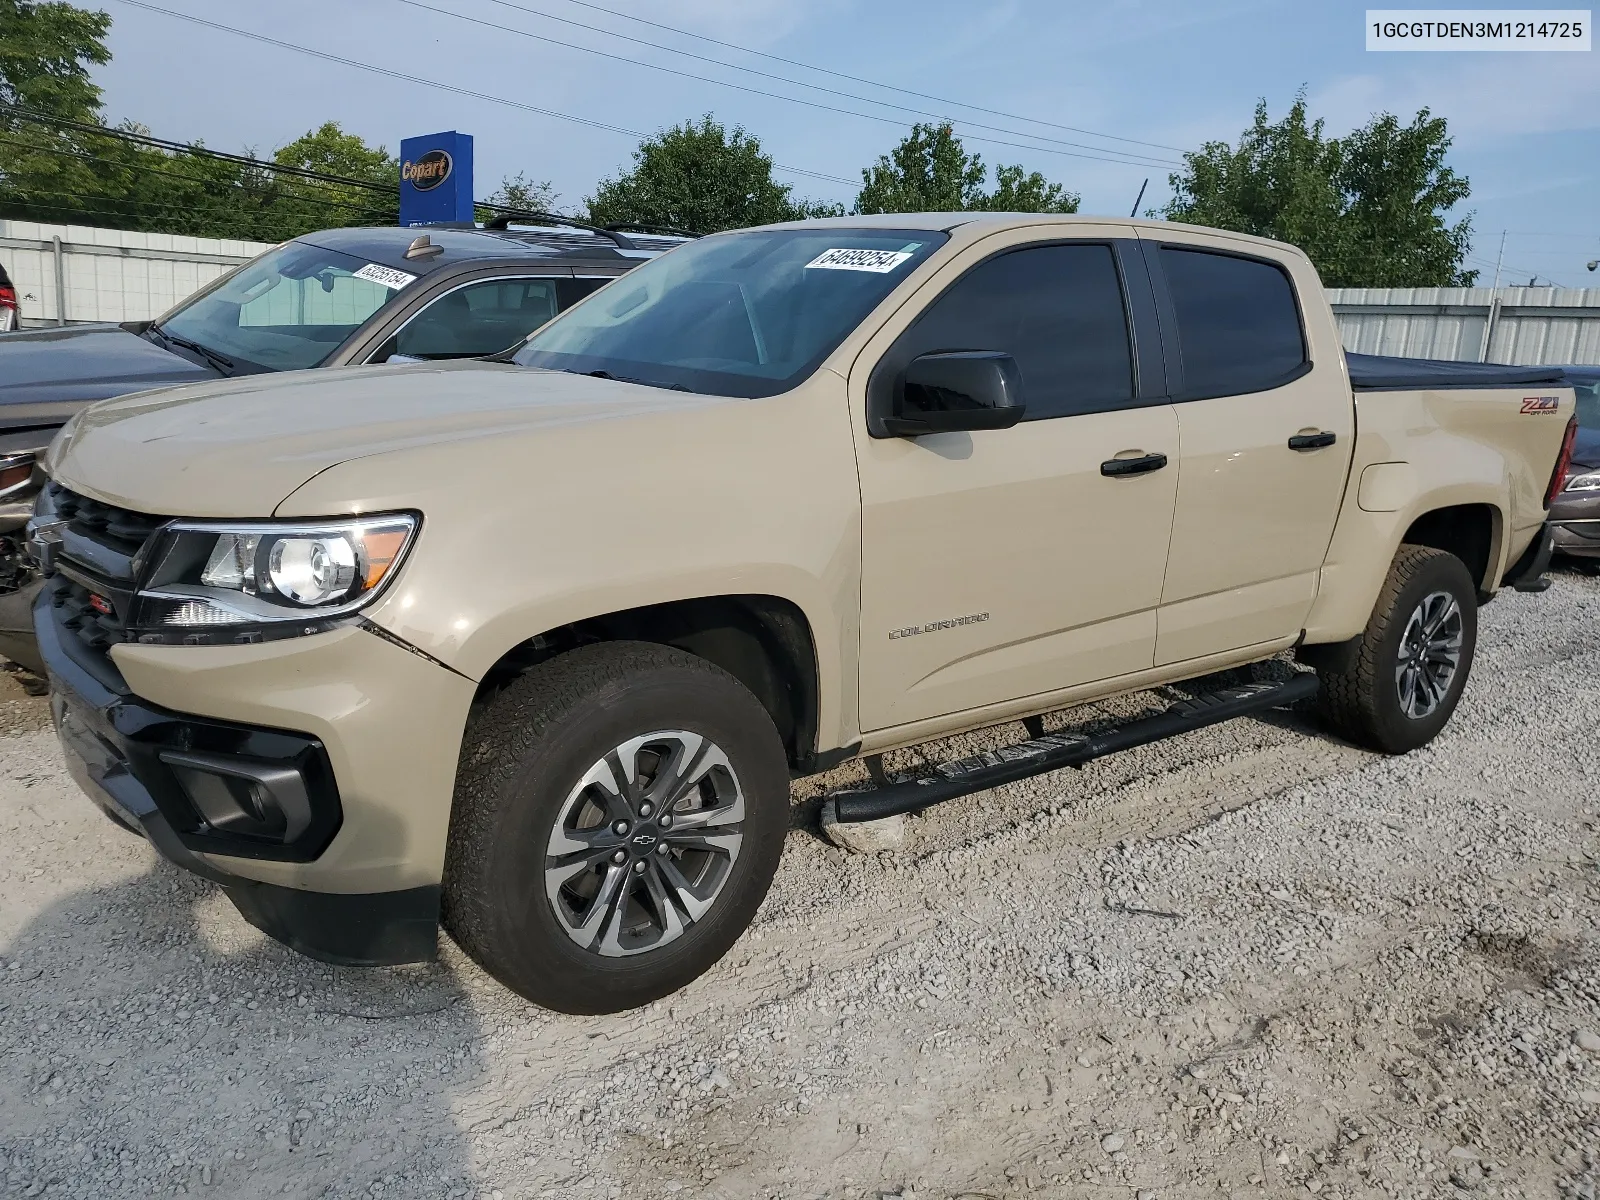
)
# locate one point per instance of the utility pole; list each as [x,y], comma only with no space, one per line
[1500,258]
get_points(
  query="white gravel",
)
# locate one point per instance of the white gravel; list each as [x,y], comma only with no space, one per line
[1249,962]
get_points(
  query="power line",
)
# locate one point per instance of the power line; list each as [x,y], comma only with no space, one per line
[1512,267]
[144,139]
[917,112]
[433,83]
[993,112]
[62,152]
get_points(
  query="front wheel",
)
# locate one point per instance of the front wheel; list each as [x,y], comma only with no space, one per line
[1393,688]
[619,815]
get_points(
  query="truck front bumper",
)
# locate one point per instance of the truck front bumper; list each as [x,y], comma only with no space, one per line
[278,811]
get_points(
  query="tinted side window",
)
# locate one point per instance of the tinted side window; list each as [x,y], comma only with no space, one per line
[475,320]
[1057,310]
[1238,323]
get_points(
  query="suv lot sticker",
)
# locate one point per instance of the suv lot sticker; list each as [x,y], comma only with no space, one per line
[386,276]
[1540,404]
[879,262]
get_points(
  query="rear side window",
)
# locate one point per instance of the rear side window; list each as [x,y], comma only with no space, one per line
[1058,310]
[1238,323]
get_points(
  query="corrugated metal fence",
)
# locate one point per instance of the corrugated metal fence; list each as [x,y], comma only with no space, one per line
[67,274]
[1523,325]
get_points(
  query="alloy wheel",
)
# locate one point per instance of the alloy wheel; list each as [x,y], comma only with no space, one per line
[645,843]
[1430,654]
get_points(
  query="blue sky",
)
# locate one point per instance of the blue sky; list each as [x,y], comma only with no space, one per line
[1170,72]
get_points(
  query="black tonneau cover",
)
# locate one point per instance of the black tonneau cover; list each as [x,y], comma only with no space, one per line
[1375,372]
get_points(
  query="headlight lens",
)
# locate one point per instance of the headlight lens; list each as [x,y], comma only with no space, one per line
[1589,482]
[312,570]
[226,577]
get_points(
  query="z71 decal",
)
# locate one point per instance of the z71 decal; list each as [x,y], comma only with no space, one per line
[1540,404]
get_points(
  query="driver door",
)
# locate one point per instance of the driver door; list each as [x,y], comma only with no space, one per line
[1003,564]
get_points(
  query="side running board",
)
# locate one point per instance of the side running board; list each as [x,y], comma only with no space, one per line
[1056,750]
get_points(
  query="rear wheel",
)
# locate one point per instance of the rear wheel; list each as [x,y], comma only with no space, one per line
[1393,688]
[619,815]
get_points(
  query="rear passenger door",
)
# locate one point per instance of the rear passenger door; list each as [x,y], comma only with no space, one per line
[1265,445]
[1007,563]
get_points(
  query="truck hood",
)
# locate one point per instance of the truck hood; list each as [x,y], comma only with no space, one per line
[238,447]
[58,370]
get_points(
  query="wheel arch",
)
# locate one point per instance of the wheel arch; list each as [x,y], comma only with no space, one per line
[1466,520]
[764,641]
[1474,533]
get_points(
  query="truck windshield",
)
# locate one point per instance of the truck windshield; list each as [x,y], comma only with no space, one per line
[741,314]
[285,311]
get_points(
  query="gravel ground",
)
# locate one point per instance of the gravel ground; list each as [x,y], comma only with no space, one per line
[1249,962]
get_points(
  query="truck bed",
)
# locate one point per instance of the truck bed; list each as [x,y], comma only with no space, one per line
[1378,373]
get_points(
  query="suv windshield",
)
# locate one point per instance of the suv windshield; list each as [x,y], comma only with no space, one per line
[287,310]
[742,314]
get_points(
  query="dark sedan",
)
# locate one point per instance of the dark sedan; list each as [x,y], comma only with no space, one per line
[1575,514]
[336,298]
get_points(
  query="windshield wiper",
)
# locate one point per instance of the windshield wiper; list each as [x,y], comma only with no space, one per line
[671,387]
[220,361]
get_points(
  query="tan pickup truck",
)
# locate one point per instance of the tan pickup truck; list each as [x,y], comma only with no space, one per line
[534,646]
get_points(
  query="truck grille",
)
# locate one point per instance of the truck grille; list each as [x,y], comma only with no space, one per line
[118,529]
[91,592]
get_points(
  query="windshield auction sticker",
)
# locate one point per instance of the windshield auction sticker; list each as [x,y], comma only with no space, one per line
[879,262]
[384,276]
[1478,29]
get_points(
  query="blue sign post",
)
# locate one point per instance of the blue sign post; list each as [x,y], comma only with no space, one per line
[436,179]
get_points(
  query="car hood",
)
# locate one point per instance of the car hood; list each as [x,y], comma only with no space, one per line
[238,447]
[46,372]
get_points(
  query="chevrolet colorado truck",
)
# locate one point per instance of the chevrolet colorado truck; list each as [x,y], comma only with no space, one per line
[534,646]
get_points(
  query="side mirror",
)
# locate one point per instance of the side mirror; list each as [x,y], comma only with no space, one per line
[403,358]
[962,390]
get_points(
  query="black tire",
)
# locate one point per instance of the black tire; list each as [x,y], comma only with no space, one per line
[1361,695]
[524,755]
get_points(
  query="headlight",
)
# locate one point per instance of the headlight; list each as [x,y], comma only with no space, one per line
[1589,482]
[230,577]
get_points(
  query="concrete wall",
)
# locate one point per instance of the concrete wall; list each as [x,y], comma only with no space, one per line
[1521,325]
[109,274]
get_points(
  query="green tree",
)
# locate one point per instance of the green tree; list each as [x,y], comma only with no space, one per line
[701,177]
[930,171]
[60,173]
[301,205]
[524,194]
[46,51]
[1370,209]
[45,54]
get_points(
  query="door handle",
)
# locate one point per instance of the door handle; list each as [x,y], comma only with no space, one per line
[1312,441]
[1133,466]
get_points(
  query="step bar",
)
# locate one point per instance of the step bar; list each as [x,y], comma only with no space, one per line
[1056,750]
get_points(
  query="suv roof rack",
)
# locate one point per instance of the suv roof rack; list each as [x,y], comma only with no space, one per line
[501,222]
[641,227]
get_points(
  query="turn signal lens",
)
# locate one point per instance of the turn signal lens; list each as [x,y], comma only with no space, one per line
[379,549]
